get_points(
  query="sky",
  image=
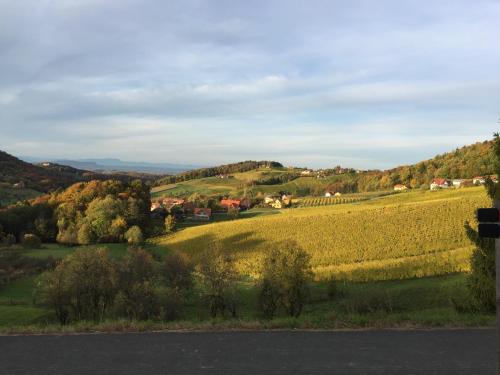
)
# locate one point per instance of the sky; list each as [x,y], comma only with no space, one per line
[363,84]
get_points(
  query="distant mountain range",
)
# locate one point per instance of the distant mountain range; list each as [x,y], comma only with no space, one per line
[116,165]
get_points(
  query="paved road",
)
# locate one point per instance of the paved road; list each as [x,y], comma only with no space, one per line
[233,353]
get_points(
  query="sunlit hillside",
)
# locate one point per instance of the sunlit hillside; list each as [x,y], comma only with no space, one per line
[400,236]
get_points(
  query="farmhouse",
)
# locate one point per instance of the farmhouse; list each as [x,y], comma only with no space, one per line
[202,214]
[307,173]
[188,207]
[277,204]
[286,200]
[439,183]
[171,202]
[400,187]
[269,199]
[457,183]
[227,203]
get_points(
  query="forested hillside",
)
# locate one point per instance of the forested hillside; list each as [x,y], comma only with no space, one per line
[465,162]
[43,179]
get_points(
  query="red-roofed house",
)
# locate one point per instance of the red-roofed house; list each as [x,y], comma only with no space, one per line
[234,203]
[202,213]
[189,207]
[439,183]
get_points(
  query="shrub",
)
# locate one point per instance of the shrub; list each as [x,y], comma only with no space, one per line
[134,235]
[53,291]
[178,271]
[171,303]
[137,284]
[170,224]
[286,272]
[233,212]
[31,241]
[269,298]
[8,240]
[81,287]
[218,277]
[333,290]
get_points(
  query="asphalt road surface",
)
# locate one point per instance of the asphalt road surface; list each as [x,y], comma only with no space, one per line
[385,352]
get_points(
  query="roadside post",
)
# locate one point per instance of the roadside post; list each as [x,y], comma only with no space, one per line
[489,227]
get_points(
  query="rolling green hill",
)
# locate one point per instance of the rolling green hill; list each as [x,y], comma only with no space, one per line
[394,237]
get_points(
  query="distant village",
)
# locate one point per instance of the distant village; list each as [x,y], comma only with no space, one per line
[182,208]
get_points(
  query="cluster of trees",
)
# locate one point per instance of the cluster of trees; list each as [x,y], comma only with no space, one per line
[90,285]
[465,162]
[91,212]
[243,166]
[277,179]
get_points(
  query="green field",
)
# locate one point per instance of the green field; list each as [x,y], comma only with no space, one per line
[394,237]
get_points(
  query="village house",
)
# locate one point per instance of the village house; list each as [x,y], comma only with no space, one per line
[230,203]
[439,183]
[188,207]
[457,183]
[286,200]
[171,202]
[307,173]
[269,199]
[400,187]
[204,214]
[277,204]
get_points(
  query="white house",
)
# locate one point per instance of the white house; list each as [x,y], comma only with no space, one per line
[439,183]
[400,187]
[457,183]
